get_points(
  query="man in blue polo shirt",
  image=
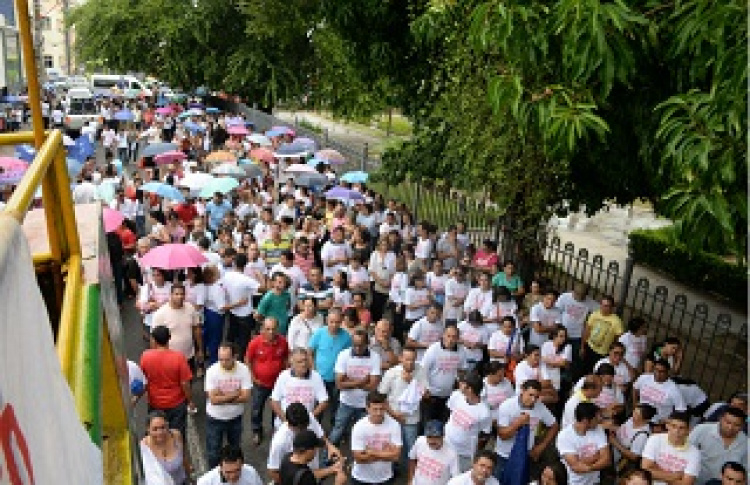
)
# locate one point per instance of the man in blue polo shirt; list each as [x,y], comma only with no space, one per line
[216,210]
[326,344]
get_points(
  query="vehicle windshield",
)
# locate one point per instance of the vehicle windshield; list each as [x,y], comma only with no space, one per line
[81,107]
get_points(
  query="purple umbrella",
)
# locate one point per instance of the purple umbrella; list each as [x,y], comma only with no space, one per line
[344,193]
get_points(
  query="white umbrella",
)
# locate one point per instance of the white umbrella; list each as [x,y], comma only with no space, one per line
[259,139]
[196,181]
[300,168]
[229,169]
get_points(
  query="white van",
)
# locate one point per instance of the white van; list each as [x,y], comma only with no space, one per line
[128,86]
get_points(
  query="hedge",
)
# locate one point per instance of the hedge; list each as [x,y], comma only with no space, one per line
[699,270]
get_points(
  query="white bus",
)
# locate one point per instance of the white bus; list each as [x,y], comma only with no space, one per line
[128,86]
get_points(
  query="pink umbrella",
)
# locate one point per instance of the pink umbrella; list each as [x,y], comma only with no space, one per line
[262,155]
[169,157]
[173,256]
[112,219]
[238,130]
[13,164]
[165,110]
[331,156]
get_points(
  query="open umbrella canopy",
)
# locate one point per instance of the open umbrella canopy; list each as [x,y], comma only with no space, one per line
[223,185]
[344,193]
[284,130]
[213,110]
[193,126]
[154,149]
[163,190]
[259,139]
[314,162]
[164,110]
[229,169]
[252,170]
[262,155]
[291,150]
[196,181]
[74,167]
[112,219]
[12,163]
[173,256]
[238,130]
[124,115]
[299,168]
[221,156]
[357,177]
[169,157]
[311,180]
[308,143]
[331,156]
[106,191]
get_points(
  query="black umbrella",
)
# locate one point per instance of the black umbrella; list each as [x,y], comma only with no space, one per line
[290,150]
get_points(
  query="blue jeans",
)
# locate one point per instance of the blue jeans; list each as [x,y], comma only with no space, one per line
[216,430]
[345,414]
[140,226]
[409,435]
[258,396]
[333,401]
[499,468]
[213,330]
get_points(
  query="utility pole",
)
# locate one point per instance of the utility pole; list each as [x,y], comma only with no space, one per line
[66,33]
[38,39]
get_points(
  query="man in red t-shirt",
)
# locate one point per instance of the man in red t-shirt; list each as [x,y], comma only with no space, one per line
[267,355]
[187,212]
[168,376]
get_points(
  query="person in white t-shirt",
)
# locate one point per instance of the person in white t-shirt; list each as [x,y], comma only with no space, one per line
[417,299]
[436,280]
[583,446]
[474,338]
[456,289]
[357,372]
[575,307]
[300,384]
[557,355]
[531,368]
[660,391]
[480,297]
[297,419]
[629,439]
[497,389]
[635,342]
[375,443]
[544,317]
[442,362]
[589,390]
[518,411]
[506,340]
[469,416]
[231,470]
[616,358]
[425,331]
[227,386]
[432,459]
[481,471]
[669,456]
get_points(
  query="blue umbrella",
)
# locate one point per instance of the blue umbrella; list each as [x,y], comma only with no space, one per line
[193,126]
[314,162]
[290,150]
[74,167]
[357,177]
[163,190]
[124,115]
[25,153]
[273,133]
[212,109]
[81,149]
[157,148]
[311,180]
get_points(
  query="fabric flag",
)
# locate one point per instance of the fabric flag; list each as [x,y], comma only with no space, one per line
[516,471]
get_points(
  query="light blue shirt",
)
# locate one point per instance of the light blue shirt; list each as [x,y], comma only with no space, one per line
[327,348]
[216,213]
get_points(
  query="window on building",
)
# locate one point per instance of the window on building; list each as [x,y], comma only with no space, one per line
[45,23]
[49,61]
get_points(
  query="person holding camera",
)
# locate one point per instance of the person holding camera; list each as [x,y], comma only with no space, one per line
[295,467]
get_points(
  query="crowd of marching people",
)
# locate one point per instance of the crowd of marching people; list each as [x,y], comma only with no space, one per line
[367,348]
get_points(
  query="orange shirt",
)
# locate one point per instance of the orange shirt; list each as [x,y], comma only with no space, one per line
[165,371]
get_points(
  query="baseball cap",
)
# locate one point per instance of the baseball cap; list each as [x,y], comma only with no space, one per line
[433,428]
[306,440]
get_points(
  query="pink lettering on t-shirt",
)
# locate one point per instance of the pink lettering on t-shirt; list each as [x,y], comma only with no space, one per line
[358,371]
[230,384]
[429,468]
[653,395]
[496,396]
[377,441]
[470,335]
[575,312]
[671,463]
[462,419]
[300,394]
[587,450]
[447,363]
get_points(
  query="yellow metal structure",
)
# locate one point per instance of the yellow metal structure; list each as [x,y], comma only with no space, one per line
[84,347]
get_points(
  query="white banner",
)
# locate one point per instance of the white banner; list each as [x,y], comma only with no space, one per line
[42,440]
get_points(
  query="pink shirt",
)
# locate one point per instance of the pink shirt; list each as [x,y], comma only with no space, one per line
[485,259]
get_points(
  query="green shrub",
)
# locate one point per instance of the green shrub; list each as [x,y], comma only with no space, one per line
[310,126]
[703,271]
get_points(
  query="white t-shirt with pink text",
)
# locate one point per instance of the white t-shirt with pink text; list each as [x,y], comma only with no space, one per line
[569,442]
[369,436]
[465,422]
[435,467]
[686,459]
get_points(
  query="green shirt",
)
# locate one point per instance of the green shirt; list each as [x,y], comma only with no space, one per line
[513,284]
[276,306]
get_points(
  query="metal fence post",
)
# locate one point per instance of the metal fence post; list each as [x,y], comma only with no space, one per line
[626,278]
[325,138]
[365,154]
[415,203]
